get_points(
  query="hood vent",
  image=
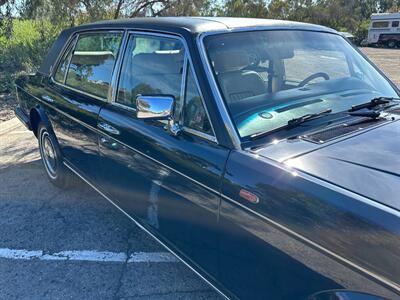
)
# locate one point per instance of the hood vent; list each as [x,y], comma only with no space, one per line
[331,133]
[395,111]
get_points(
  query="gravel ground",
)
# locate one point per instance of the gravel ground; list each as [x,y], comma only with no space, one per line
[388,60]
[6,108]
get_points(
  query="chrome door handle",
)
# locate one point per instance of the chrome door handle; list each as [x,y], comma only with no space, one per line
[108,128]
[47,99]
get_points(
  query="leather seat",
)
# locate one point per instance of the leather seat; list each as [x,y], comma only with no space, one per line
[236,83]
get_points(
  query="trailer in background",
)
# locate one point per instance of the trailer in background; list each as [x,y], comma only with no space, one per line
[384,30]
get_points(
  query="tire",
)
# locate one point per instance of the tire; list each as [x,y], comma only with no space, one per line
[51,156]
[391,44]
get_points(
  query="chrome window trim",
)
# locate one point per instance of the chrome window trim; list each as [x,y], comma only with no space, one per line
[73,44]
[187,63]
[69,46]
[76,37]
[229,126]
[199,134]
[183,89]
[117,69]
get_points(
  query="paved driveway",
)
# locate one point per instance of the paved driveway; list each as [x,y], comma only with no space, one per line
[73,244]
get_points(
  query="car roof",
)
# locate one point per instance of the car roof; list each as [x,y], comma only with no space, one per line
[205,24]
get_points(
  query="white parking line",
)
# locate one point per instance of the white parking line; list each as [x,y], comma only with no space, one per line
[88,255]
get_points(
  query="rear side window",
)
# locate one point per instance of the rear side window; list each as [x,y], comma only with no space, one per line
[92,62]
[152,65]
[63,66]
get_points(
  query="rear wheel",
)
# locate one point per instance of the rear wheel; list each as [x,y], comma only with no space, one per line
[391,44]
[50,153]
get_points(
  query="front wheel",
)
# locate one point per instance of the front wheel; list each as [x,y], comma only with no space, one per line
[391,44]
[50,153]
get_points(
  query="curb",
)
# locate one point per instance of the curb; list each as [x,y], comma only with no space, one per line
[9,125]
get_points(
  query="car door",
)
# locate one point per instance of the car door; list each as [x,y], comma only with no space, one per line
[168,182]
[77,91]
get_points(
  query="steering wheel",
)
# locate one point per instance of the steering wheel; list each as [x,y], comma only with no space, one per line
[312,77]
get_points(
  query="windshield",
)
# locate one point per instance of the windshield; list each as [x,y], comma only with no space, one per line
[270,77]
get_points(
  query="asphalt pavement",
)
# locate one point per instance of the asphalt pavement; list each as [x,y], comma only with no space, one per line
[73,244]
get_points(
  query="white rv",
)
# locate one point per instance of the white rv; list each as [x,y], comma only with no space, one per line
[384,30]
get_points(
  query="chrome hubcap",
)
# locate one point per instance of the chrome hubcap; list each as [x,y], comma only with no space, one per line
[49,154]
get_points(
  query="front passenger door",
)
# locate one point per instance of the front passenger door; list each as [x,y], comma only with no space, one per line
[170,184]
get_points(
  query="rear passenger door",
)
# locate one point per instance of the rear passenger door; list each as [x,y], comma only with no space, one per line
[79,88]
[168,183]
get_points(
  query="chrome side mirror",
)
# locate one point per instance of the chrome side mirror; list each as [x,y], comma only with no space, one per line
[157,108]
[154,107]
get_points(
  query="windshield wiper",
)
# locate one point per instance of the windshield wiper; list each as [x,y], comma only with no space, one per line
[292,123]
[307,117]
[372,103]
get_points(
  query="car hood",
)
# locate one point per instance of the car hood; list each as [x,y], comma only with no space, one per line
[367,163]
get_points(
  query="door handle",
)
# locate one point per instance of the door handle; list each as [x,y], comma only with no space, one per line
[108,128]
[109,143]
[47,99]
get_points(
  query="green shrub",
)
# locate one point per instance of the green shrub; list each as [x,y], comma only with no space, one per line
[25,49]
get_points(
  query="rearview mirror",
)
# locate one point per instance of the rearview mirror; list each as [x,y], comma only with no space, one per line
[154,107]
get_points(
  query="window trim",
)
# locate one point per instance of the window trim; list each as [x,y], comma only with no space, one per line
[181,119]
[187,62]
[73,41]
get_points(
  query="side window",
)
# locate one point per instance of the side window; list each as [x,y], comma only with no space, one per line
[395,24]
[63,66]
[195,116]
[380,24]
[92,62]
[152,65]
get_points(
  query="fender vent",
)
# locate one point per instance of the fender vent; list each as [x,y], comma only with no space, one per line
[331,133]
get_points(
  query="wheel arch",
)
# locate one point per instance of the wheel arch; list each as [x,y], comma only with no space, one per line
[37,115]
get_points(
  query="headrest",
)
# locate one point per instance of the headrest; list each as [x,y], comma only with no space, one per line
[157,63]
[227,61]
[92,57]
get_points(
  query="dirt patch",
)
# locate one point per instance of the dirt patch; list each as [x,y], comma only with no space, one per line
[7,105]
[388,60]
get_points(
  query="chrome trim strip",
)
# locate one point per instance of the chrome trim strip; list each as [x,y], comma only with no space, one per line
[73,45]
[123,106]
[117,68]
[146,230]
[199,134]
[316,246]
[183,89]
[78,91]
[229,126]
